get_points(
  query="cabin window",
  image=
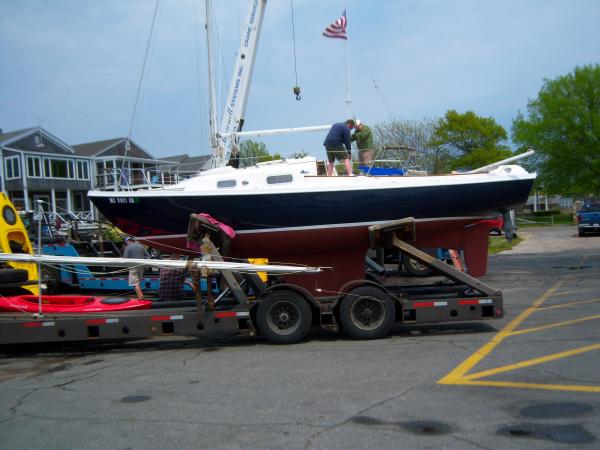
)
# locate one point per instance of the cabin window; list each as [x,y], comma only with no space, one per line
[226,183]
[275,179]
[34,166]
[82,170]
[12,167]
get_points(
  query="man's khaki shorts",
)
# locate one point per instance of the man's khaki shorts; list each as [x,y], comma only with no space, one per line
[134,276]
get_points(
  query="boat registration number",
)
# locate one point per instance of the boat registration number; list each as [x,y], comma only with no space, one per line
[122,200]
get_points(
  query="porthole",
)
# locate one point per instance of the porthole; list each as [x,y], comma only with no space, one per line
[9,215]
[276,179]
[226,183]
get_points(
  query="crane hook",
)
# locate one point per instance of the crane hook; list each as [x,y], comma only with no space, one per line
[297,92]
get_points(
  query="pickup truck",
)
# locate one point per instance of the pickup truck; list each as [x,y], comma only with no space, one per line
[588,218]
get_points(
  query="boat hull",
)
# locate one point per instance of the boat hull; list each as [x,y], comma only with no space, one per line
[322,228]
[166,214]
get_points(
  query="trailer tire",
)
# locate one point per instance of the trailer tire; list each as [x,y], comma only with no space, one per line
[13,275]
[50,276]
[415,268]
[283,317]
[367,312]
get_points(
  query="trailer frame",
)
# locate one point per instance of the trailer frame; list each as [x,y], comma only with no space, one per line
[281,312]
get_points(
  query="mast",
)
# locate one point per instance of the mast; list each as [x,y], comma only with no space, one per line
[211,77]
[235,107]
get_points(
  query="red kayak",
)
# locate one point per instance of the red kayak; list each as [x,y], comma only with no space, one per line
[70,304]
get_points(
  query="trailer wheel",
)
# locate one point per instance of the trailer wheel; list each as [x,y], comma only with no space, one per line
[283,317]
[50,276]
[415,268]
[8,275]
[367,312]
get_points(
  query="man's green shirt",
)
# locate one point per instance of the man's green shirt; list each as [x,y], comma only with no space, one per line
[363,138]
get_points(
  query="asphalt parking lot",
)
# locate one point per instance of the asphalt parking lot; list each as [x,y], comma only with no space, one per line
[530,379]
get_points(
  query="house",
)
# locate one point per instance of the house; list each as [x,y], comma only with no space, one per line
[185,166]
[119,163]
[36,165]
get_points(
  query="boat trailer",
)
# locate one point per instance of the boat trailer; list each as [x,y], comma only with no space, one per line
[281,312]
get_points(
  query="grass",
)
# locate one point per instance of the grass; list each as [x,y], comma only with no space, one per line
[499,244]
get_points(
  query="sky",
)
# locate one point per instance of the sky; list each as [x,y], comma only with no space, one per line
[73,66]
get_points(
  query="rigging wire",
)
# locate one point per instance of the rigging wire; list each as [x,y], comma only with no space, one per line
[141,80]
[181,250]
[296,89]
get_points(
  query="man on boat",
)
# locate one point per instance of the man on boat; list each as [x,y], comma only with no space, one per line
[135,250]
[337,145]
[364,141]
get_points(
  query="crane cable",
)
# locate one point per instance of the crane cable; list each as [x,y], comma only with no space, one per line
[296,89]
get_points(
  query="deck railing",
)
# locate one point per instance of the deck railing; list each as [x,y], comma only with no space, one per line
[133,179]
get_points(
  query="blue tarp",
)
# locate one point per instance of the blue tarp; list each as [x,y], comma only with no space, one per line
[381,171]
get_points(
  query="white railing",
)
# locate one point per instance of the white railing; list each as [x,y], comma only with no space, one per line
[132,179]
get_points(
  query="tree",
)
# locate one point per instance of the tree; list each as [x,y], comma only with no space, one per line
[472,140]
[563,126]
[395,136]
[252,152]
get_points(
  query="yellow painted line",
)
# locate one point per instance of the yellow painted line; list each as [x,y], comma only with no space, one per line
[532,362]
[455,375]
[566,305]
[576,291]
[554,325]
[516,384]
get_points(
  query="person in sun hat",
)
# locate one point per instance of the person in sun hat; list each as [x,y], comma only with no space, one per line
[364,141]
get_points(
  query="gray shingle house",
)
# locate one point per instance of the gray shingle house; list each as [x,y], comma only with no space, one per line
[119,162]
[36,165]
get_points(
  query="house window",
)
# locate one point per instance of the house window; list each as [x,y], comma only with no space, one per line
[79,201]
[82,170]
[34,167]
[12,168]
[226,183]
[275,179]
[47,171]
[38,140]
[59,168]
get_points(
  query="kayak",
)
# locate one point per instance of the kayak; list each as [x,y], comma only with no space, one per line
[70,304]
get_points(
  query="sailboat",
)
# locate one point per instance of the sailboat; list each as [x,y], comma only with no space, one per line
[285,211]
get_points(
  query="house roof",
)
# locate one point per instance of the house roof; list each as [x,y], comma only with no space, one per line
[5,137]
[177,158]
[115,147]
[93,148]
[189,163]
[18,140]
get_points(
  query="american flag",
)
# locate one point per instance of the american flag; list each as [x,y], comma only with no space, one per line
[337,29]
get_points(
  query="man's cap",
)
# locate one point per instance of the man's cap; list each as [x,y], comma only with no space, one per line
[128,238]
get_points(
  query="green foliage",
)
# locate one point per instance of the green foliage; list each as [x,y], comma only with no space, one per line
[111,234]
[481,157]
[470,140]
[563,125]
[467,132]
[252,152]
[395,137]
